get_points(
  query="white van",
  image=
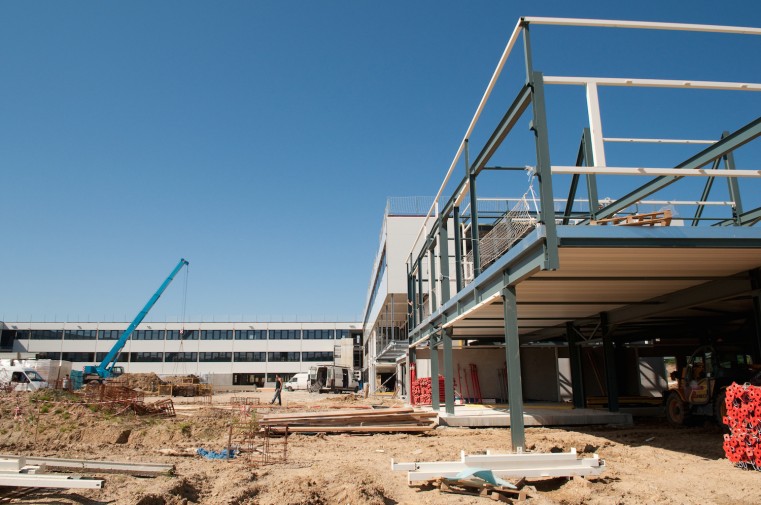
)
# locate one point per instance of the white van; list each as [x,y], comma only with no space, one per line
[298,381]
[17,378]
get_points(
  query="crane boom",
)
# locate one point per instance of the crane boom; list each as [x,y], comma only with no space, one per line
[103,370]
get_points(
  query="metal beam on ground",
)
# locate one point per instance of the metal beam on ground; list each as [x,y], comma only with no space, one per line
[87,464]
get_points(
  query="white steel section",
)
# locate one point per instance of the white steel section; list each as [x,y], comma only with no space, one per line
[487,93]
[651,83]
[48,480]
[646,25]
[658,141]
[595,124]
[678,172]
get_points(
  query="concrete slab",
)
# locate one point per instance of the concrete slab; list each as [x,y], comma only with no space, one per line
[484,416]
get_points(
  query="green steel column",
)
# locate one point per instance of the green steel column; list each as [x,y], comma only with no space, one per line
[432,276]
[474,237]
[544,172]
[420,290]
[755,285]
[609,355]
[446,338]
[734,185]
[434,375]
[577,374]
[457,248]
[410,300]
[413,305]
[513,355]
[589,160]
[444,259]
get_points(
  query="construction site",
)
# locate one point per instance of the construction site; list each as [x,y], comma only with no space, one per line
[559,346]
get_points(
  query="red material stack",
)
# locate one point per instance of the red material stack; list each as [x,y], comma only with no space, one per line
[743,445]
[422,391]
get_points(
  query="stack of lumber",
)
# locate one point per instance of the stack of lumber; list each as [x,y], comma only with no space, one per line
[402,419]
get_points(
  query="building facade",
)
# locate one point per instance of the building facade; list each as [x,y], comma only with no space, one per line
[225,354]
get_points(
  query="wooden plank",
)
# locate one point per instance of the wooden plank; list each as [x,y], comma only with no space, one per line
[356,429]
[340,413]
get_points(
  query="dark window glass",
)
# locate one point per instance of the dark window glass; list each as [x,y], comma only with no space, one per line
[285,334]
[215,357]
[248,379]
[48,355]
[250,334]
[317,356]
[79,334]
[318,334]
[342,334]
[87,357]
[182,334]
[283,356]
[109,334]
[147,357]
[45,334]
[216,334]
[180,357]
[148,335]
[250,356]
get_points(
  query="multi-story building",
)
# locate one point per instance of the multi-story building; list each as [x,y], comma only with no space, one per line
[225,354]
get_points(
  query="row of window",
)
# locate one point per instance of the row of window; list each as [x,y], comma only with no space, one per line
[184,334]
[204,357]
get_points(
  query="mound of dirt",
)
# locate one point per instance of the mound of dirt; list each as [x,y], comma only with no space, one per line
[140,381]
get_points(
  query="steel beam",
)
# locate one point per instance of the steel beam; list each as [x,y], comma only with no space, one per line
[444,259]
[513,360]
[642,25]
[474,236]
[674,172]
[577,371]
[88,464]
[434,376]
[48,480]
[734,185]
[609,354]
[446,339]
[457,248]
[717,150]
[704,195]
[652,83]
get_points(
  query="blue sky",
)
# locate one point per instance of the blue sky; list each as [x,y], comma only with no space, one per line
[260,140]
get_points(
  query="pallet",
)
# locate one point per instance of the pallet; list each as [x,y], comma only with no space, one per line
[662,218]
[472,487]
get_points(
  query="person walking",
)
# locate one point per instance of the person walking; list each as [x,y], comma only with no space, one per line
[278,390]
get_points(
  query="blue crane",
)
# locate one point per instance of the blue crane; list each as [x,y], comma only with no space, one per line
[106,368]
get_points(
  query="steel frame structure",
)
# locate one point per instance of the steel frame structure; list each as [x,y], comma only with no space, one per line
[539,250]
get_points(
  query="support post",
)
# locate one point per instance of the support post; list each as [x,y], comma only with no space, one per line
[577,374]
[755,286]
[446,339]
[589,160]
[734,185]
[474,238]
[434,375]
[544,172]
[420,290]
[444,259]
[513,359]
[609,354]
[457,248]
[432,297]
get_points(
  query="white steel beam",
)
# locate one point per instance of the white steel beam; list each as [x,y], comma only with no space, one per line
[657,141]
[678,172]
[85,464]
[48,480]
[595,124]
[643,25]
[651,83]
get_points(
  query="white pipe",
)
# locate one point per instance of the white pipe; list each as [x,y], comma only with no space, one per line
[651,83]
[645,25]
[678,172]
[658,141]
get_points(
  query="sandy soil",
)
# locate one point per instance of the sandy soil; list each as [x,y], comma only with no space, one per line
[646,463]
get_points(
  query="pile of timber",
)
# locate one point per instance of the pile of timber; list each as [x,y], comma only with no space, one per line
[402,419]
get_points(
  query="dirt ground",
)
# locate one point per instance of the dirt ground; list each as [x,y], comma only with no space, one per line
[646,463]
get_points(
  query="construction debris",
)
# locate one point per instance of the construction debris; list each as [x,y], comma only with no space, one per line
[519,465]
[473,487]
[16,472]
[404,419]
[122,399]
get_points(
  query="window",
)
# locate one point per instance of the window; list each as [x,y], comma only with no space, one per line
[48,355]
[45,334]
[318,334]
[148,335]
[147,357]
[109,334]
[79,334]
[283,356]
[342,334]
[248,379]
[188,357]
[182,334]
[285,334]
[317,356]
[216,334]
[78,356]
[250,334]
[215,357]
[250,356]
